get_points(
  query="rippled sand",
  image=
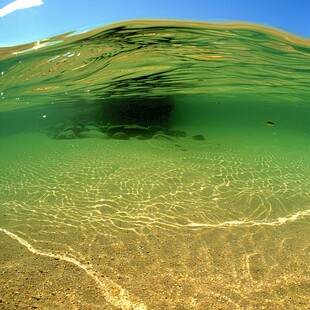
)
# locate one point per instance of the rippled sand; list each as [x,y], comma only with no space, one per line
[153,224]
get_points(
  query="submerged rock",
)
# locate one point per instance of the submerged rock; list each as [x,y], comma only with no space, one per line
[120,136]
[269,123]
[104,128]
[54,130]
[176,133]
[130,130]
[114,129]
[141,137]
[93,134]
[163,137]
[53,134]
[135,130]
[64,131]
[159,133]
[198,137]
[70,130]
[78,129]
[68,134]
[91,127]
[71,127]
[157,128]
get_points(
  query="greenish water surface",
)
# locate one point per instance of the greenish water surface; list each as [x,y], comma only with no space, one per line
[161,219]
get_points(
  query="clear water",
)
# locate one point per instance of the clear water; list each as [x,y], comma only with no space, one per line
[168,223]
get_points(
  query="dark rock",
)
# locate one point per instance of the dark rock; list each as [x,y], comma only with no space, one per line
[91,127]
[53,134]
[130,131]
[176,133]
[159,133]
[135,130]
[69,134]
[53,131]
[156,128]
[78,129]
[120,136]
[93,134]
[80,124]
[75,128]
[198,137]
[71,127]
[114,129]
[141,137]
[163,137]
[104,128]
[92,124]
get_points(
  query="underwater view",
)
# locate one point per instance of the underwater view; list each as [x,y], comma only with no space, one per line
[156,165]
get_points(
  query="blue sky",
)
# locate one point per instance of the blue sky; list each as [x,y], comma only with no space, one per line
[59,16]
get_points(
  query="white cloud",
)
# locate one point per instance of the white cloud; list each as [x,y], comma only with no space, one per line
[18,5]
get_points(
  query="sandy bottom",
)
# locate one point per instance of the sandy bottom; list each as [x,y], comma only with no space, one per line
[87,224]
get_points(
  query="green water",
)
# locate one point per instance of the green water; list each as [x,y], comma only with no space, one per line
[156,223]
